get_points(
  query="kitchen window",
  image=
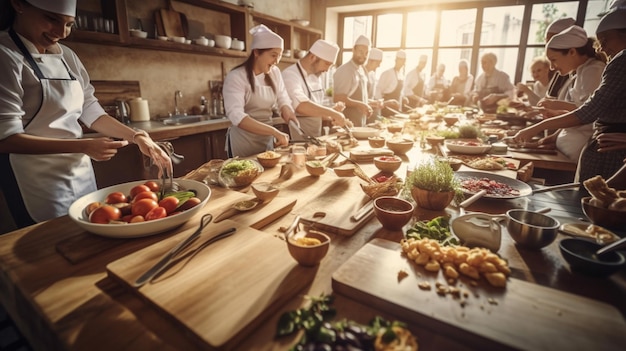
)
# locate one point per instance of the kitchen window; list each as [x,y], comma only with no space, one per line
[448,32]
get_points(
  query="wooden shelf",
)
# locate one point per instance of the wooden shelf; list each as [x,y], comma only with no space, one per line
[240,20]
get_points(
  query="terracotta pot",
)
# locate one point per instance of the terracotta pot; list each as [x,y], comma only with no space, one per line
[432,200]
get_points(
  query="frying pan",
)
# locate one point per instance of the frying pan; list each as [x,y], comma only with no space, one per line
[523,188]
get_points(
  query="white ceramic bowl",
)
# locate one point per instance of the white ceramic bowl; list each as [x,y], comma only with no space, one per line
[210,43]
[223,41]
[162,37]
[364,132]
[237,45]
[202,41]
[467,146]
[135,230]
[138,33]
[180,40]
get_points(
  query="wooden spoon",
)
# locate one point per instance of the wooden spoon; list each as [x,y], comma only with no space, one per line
[241,206]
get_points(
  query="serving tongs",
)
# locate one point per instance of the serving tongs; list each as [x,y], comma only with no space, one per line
[170,186]
[303,134]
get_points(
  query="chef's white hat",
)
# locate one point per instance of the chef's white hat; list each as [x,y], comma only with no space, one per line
[264,38]
[325,50]
[401,54]
[376,54]
[560,24]
[363,40]
[615,19]
[61,7]
[572,37]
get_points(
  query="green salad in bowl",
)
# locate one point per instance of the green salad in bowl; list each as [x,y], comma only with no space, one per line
[237,172]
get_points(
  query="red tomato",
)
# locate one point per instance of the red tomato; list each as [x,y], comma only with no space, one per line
[146,195]
[143,206]
[92,206]
[189,204]
[169,203]
[156,213]
[138,189]
[137,219]
[105,214]
[115,198]
[154,186]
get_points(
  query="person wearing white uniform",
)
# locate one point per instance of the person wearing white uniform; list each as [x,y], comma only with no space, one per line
[304,87]
[44,93]
[251,90]
[350,84]
[374,59]
[557,26]
[389,86]
[571,53]
[415,84]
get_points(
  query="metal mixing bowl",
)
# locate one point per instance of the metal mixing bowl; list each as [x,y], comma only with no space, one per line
[530,229]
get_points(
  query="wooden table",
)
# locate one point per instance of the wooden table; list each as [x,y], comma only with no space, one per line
[60,305]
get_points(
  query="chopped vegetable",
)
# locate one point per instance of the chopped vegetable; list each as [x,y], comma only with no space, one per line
[437,228]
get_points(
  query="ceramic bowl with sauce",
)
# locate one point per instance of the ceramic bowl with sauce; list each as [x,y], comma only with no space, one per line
[310,249]
[581,257]
[392,212]
[388,164]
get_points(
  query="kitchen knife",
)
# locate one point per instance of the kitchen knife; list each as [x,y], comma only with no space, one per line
[303,134]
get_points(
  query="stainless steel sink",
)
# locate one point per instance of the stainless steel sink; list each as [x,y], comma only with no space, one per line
[187,119]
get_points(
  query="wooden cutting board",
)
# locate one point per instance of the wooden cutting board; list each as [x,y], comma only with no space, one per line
[172,22]
[524,316]
[223,292]
[332,209]
[256,218]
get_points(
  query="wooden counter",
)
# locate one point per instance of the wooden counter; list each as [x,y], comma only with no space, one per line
[65,306]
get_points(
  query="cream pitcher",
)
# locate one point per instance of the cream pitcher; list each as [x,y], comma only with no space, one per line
[139,111]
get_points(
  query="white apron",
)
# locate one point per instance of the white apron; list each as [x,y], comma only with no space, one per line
[358,118]
[50,183]
[243,143]
[311,125]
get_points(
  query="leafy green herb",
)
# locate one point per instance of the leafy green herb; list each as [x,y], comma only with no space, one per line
[233,168]
[437,228]
[436,175]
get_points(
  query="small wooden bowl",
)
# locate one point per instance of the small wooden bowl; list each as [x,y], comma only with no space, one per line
[310,255]
[268,162]
[346,170]
[264,191]
[400,147]
[392,212]
[394,128]
[314,169]
[435,140]
[455,163]
[376,142]
[388,164]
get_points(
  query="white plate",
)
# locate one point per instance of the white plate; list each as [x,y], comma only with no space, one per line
[364,132]
[135,230]
[452,145]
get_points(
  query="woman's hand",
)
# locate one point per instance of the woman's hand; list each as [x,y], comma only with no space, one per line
[611,142]
[281,139]
[524,135]
[339,106]
[102,149]
[160,158]
[288,115]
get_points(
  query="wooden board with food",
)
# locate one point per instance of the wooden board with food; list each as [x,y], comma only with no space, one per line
[478,314]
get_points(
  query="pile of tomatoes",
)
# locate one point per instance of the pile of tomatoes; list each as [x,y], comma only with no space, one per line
[142,204]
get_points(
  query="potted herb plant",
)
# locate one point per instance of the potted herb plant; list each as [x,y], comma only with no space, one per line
[432,185]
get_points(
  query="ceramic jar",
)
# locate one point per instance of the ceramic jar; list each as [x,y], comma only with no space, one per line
[237,45]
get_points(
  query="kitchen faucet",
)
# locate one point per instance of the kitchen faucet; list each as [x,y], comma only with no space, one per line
[177,94]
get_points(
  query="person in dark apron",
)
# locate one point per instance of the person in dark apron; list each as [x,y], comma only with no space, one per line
[438,87]
[492,85]
[45,161]
[304,87]
[251,90]
[415,84]
[389,86]
[350,84]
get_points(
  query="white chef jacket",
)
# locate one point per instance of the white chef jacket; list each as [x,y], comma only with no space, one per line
[304,87]
[411,80]
[387,83]
[577,90]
